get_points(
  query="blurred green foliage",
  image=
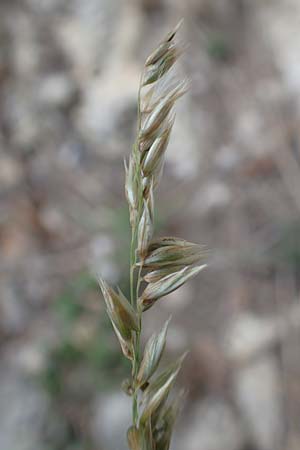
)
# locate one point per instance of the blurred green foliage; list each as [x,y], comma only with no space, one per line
[86,359]
[287,251]
[218,47]
[80,366]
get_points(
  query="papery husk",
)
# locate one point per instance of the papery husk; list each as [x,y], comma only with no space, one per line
[159,389]
[163,65]
[173,255]
[126,344]
[162,110]
[131,189]
[163,47]
[145,230]
[133,438]
[157,150]
[152,355]
[166,285]
[158,274]
[119,306]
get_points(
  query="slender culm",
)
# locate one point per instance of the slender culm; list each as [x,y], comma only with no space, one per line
[157,266]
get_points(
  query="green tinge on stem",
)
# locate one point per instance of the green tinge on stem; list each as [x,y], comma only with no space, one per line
[135,284]
[132,263]
[136,358]
[155,120]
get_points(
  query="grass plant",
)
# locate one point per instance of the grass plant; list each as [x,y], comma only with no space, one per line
[158,266]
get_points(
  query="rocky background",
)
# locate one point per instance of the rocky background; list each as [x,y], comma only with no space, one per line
[69,72]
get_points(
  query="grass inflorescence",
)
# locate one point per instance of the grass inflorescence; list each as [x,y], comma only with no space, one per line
[157,266]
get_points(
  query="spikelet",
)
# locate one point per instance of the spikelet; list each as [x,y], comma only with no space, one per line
[158,274]
[133,438]
[166,285]
[152,355]
[145,229]
[123,317]
[173,255]
[157,393]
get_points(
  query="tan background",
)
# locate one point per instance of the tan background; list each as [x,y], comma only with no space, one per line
[69,73]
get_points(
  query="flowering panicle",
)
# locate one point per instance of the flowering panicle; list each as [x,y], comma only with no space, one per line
[163,264]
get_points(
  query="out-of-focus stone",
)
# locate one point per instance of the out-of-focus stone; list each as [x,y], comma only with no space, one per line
[283,25]
[227,158]
[21,116]
[177,339]
[52,220]
[256,381]
[249,126]
[102,252]
[212,197]
[248,335]
[112,418]
[258,394]
[108,108]
[56,90]
[207,365]
[152,5]
[183,153]
[13,312]
[106,102]
[179,299]
[10,172]
[14,243]
[26,358]
[26,50]
[46,6]
[85,35]
[212,425]
[23,412]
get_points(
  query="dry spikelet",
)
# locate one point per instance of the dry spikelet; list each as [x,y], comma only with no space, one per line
[157,393]
[145,230]
[162,66]
[166,285]
[152,355]
[133,438]
[166,241]
[166,421]
[119,307]
[158,274]
[173,255]
[126,344]
[155,154]
[161,111]
[123,317]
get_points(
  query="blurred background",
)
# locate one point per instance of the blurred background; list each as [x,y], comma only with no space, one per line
[69,72]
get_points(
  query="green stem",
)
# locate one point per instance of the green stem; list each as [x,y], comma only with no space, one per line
[139,313]
[134,289]
[135,411]
[137,356]
[132,265]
